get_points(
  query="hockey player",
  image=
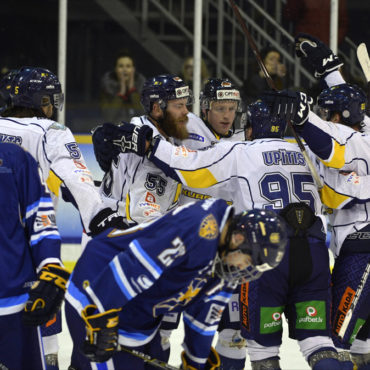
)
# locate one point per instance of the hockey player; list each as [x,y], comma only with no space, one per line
[188,261]
[220,104]
[27,121]
[30,249]
[132,185]
[34,93]
[340,145]
[276,176]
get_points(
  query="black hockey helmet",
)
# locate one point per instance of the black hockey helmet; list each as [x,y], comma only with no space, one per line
[34,87]
[263,124]
[163,88]
[347,100]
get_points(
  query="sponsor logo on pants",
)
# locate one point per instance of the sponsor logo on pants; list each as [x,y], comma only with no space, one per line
[311,315]
[270,321]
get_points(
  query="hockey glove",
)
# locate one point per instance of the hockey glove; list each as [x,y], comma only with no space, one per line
[46,295]
[102,333]
[213,361]
[133,138]
[105,219]
[104,150]
[289,105]
[316,56]
[109,140]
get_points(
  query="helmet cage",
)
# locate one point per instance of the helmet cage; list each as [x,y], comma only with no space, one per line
[265,237]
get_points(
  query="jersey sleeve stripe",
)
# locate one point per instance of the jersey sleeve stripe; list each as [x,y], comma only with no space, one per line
[198,326]
[202,178]
[35,239]
[221,296]
[337,158]
[121,279]
[333,199]
[74,296]
[145,259]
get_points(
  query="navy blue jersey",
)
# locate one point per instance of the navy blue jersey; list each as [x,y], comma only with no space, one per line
[158,268]
[28,233]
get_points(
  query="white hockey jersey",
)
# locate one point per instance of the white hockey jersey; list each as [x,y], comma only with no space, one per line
[137,188]
[341,148]
[201,136]
[264,173]
[58,155]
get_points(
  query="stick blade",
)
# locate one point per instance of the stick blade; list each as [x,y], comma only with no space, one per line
[363,58]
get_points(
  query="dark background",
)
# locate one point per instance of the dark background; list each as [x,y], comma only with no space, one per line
[29,36]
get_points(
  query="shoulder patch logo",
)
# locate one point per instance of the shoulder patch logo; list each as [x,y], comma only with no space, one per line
[57,126]
[208,228]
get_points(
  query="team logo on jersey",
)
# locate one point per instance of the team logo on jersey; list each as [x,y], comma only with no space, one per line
[208,228]
[57,126]
[180,299]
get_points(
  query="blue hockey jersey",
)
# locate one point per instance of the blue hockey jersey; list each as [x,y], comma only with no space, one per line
[158,268]
[28,233]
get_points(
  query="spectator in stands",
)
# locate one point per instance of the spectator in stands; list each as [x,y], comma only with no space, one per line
[120,90]
[187,72]
[256,83]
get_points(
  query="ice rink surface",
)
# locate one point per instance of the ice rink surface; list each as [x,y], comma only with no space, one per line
[290,355]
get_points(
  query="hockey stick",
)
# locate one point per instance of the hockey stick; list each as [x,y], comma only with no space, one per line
[271,84]
[349,313]
[146,358]
[363,58]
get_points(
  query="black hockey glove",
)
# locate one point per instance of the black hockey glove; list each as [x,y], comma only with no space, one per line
[105,219]
[133,138]
[316,56]
[289,105]
[104,150]
[109,140]
[46,295]
[102,333]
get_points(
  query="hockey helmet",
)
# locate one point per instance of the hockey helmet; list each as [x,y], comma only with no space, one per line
[36,87]
[163,88]
[218,89]
[262,123]
[347,100]
[262,234]
[6,84]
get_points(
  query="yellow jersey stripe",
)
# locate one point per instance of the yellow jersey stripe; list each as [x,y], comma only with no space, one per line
[337,158]
[83,139]
[202,178]
[128,207]
[178,193]
[53,183]
[331,198]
